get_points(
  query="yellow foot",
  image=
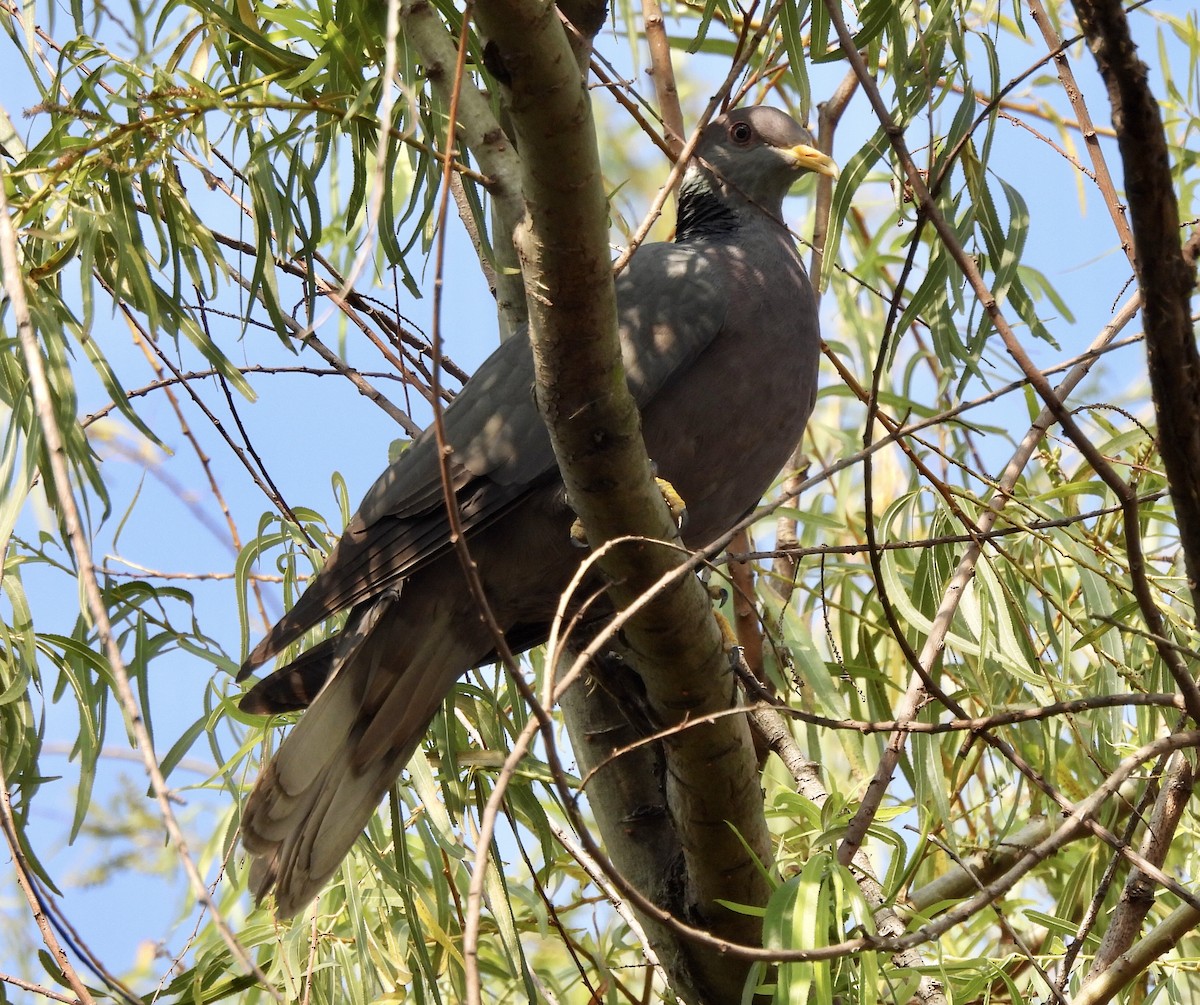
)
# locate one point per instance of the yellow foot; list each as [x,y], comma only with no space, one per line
[674,501]
[728,635]
[675,505]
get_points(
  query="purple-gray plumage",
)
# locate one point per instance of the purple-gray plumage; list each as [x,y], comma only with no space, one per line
[720,343]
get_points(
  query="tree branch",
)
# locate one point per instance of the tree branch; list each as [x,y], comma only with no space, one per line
[478,129]
[1165,276]
[1138,895]
[594,426]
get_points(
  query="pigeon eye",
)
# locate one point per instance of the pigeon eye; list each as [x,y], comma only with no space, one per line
[741,133]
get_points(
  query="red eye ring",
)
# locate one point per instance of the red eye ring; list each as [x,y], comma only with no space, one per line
[741,133]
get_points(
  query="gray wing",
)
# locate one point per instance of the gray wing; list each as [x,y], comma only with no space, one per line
[671,305]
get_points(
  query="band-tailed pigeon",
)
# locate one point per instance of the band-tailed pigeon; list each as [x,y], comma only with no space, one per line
[720,344]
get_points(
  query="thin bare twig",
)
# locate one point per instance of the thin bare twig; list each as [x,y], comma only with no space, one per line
[38,989]
[143,341]
[25,878]
[662,73]
[829,114]
[1091,141]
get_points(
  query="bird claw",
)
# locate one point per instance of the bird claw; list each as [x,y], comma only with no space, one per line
[675,506]
[730,643]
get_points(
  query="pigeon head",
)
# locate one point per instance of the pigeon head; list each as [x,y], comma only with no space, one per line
[743,166]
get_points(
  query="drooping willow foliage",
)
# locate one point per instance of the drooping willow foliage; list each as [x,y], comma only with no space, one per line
[223,267]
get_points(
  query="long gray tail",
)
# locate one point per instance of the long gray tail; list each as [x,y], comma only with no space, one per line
[315,797]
